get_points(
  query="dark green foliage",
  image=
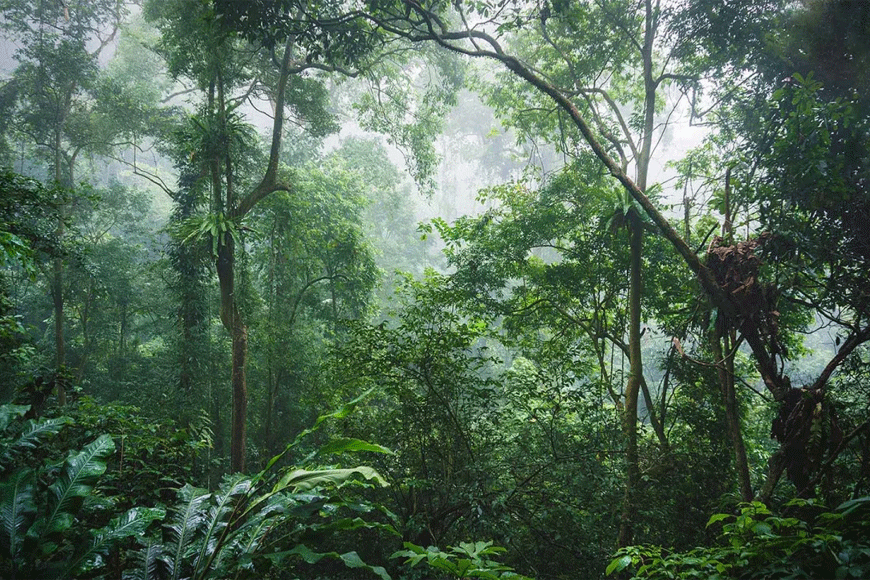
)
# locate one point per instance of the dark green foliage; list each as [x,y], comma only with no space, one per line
[806,541]
[468,560]
[49,516]
[40,505]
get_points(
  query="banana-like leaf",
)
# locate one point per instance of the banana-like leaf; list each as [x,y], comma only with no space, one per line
[132,523]
[9,413]
[351,445]
[218,520]
[304,480]
[16,510]
[341,413]
[189,517]
[80,474]
[33,432]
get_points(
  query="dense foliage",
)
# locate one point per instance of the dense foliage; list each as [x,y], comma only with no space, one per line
[604,350]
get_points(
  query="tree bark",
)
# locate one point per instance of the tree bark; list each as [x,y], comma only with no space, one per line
[632,389]
[725,368]
[232,321]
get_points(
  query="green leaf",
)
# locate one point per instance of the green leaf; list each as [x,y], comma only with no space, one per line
[9,413]
[716,518]
[352,560]
[79,476]
[132,523]
[304,480]
[348,444]
[16,509]
[189,517]
[34,431]
[218,518]
[618,565]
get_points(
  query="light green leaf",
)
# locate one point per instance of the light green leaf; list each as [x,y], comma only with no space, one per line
[716,518]
[304,480]
[618,565]
[348,444]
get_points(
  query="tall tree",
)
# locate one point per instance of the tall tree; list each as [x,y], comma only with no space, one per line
[590,73]
[60,47]
[229,72]
[441,24]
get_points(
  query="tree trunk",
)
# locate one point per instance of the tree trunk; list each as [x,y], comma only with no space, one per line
[57,283]
[632,389]
[725,369]
[232,320]
[240,396]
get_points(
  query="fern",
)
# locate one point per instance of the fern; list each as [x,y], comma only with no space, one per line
[189,518]
[16,511]
[81,472]
[132,523]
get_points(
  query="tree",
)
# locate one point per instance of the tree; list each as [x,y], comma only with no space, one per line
[435,23]
[201,47]
[57,73]
[556,56]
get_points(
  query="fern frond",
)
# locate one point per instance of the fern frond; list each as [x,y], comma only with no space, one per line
[132,523]
[80,474]
[189,517]
[16,511]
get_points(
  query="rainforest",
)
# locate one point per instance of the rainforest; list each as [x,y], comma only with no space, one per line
[418,289]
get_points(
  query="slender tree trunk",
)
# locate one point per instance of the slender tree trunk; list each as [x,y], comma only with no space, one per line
[57,282]
[240,396]
[632,389]
[725,369]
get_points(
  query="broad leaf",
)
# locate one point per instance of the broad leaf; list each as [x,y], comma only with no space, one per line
[347,444]
[33,432]
[80,474]
[304,480]
[149,561]
[132,523]
[218,519]
[16,510]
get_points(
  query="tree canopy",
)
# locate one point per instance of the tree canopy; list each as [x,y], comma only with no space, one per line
[413,288]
